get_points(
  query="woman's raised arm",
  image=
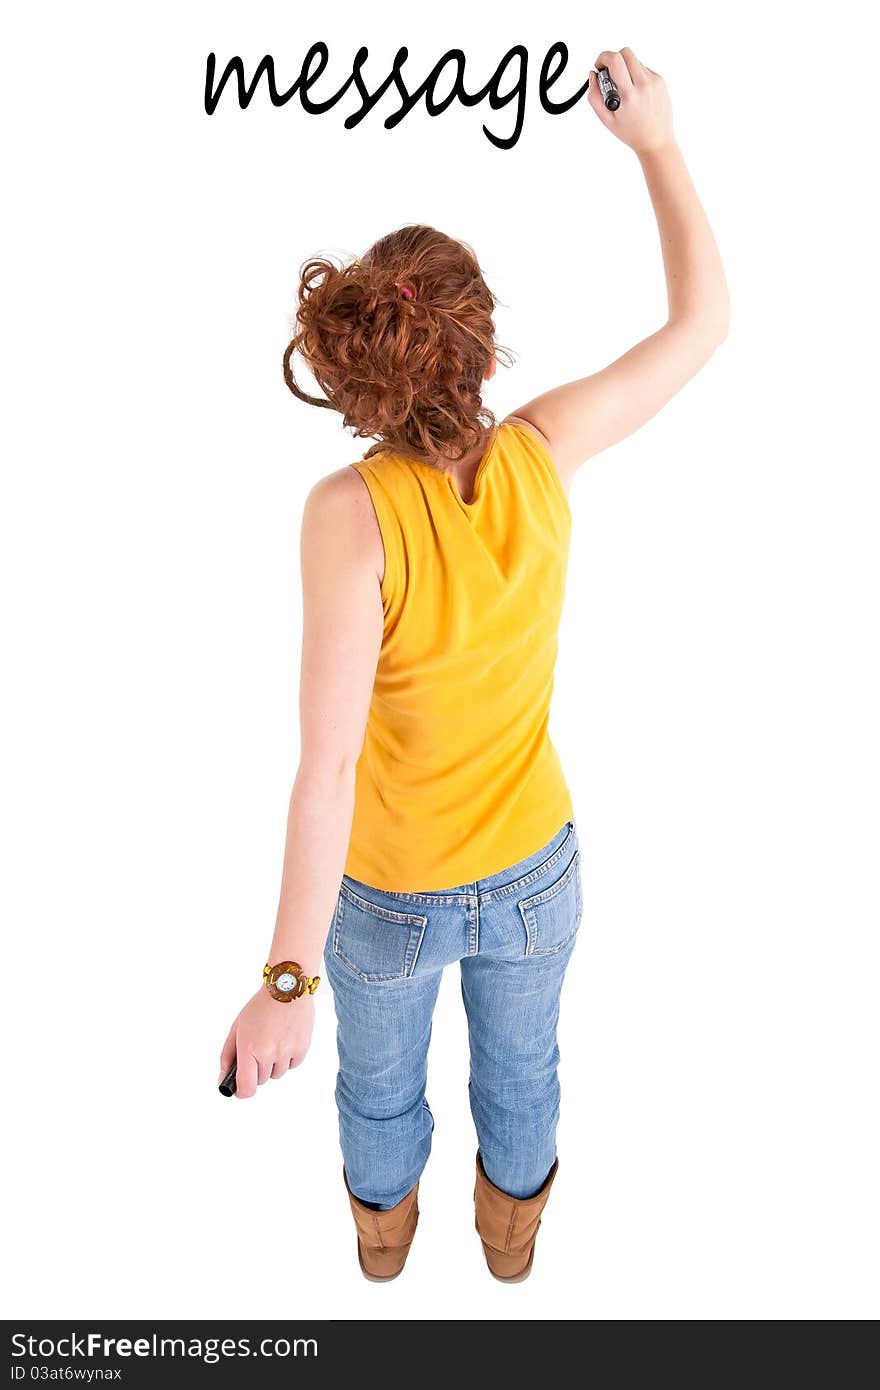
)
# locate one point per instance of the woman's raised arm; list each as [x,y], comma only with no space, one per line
[583,417]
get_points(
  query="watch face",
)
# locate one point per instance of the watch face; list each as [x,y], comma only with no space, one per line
[285,982]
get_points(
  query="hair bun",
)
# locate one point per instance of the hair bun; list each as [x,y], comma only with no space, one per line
[400,341]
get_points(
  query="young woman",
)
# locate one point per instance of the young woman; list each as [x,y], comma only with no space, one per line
[430,821]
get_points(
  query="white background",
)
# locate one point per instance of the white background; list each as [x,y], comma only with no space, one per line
[716,692]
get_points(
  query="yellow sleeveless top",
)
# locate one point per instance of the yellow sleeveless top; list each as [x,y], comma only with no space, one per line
[457,777]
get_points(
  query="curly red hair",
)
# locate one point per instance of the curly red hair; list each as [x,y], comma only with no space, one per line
[400,341]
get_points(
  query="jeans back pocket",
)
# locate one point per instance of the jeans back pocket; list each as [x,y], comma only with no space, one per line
[376,943]
[553,915]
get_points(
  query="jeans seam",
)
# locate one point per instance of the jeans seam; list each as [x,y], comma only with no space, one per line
[477,924]
[412,970]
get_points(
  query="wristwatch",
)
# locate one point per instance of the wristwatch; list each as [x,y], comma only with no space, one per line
[287,980]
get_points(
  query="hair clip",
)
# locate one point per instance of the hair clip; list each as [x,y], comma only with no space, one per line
[404,290]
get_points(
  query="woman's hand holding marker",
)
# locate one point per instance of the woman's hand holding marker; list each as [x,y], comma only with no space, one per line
[642,118]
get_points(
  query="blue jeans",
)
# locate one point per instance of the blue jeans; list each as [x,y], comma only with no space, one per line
[513,934]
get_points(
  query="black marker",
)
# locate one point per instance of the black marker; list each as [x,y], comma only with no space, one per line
[607,90]
[227,1085]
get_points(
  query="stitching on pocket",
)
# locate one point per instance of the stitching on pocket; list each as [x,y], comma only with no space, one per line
[415,922]
[527,906]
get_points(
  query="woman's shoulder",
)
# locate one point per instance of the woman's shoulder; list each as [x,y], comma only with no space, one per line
[339,518]
[517,427]
[339,504]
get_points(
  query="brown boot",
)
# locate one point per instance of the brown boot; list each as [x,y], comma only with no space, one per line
[384,1237]
[507,1226]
